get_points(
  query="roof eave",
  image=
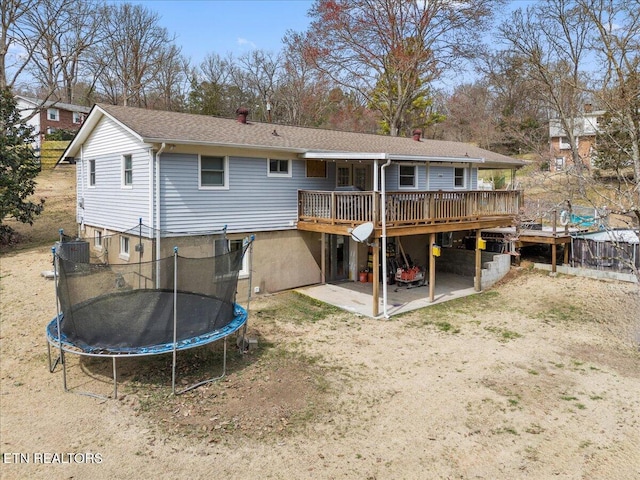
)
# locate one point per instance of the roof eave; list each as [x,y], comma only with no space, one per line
[173,141]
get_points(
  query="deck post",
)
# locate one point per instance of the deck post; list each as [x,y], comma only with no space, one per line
[376,279]
[477,286]
[323,258]
[432,268]
[554,251]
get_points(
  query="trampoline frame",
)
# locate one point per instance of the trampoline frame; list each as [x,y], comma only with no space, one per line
[58,340]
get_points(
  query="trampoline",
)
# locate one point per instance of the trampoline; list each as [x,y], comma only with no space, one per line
[140,308]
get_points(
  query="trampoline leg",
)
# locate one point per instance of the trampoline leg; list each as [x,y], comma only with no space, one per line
[224,359]
[64,372]
[115,380]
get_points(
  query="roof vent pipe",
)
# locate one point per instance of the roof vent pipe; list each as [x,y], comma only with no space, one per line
[242,113]
[417,134]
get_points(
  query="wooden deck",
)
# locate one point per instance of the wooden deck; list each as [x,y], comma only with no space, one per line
[407,213]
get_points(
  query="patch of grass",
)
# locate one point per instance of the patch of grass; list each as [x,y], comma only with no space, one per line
[596,397]
[297,308]
[504,334]
[564,312]
[534,429]
[581,406]
[459,307]
[568,398]
[509,430]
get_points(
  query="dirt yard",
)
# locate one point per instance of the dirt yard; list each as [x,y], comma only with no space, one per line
[538,377]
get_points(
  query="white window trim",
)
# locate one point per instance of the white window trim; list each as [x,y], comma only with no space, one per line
[122,254]
[464,178]
[563,143]
[123,184]
[226,174]
[244,270]
[415,178]
[98,234]
[57,114]
[95,173]
[279,174]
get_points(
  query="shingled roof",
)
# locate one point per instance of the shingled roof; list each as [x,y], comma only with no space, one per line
[156,126]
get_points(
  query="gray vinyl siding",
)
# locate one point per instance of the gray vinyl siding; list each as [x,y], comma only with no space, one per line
[441,177]
[110,205]
[253,202]
[393,178]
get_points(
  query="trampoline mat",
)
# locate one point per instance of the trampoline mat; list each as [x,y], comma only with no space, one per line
[143,318]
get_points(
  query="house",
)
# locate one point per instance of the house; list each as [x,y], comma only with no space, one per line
[300,191]
[50,116]
[585,129]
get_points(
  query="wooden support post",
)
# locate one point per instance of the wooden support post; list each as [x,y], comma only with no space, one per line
[567,246]
[554,251]
[323,257]
[376,278]
[432,268]
[477,285]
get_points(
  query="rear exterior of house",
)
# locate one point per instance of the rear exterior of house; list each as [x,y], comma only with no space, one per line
[51,116]
[299,191]
[585,131]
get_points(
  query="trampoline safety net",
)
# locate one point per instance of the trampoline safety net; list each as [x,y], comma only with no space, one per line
[130,307]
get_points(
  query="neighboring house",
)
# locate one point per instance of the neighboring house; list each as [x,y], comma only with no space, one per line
[300,191]
[50,116]
[585,131]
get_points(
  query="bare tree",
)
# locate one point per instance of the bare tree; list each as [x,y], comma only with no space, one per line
[14,38]
[390,50]
[128,58]
[551,40]
[169,85]
[616,43]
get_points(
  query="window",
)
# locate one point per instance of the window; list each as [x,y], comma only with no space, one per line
[92,173]
[407,176]
[278,168]
[127,171]
[124,247]
[459,178]
[559,163]
[343,176]
[213,172]
[564,143]
[228,246]
[51,130]
[97,239]
[53,114]
[235,245]
[77,117]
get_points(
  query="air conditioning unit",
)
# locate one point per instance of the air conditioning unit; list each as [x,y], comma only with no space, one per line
[76,251]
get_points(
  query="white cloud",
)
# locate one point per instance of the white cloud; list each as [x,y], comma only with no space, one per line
[244,42]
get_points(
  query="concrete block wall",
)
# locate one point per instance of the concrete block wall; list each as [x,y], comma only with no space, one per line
[495,269]
[462,262]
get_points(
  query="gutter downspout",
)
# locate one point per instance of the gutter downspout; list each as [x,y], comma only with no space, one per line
[383,214]
[157,220]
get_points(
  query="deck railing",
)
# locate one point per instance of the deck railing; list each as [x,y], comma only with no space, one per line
[406,208]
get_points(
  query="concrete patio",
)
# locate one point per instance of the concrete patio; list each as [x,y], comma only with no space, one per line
[357,297]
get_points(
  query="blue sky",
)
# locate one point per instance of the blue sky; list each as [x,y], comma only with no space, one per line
[222,26]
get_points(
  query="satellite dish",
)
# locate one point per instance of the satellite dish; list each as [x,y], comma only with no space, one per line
[362,232]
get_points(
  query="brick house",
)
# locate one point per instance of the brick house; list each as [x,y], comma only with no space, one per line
[585,130]
[50,116]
